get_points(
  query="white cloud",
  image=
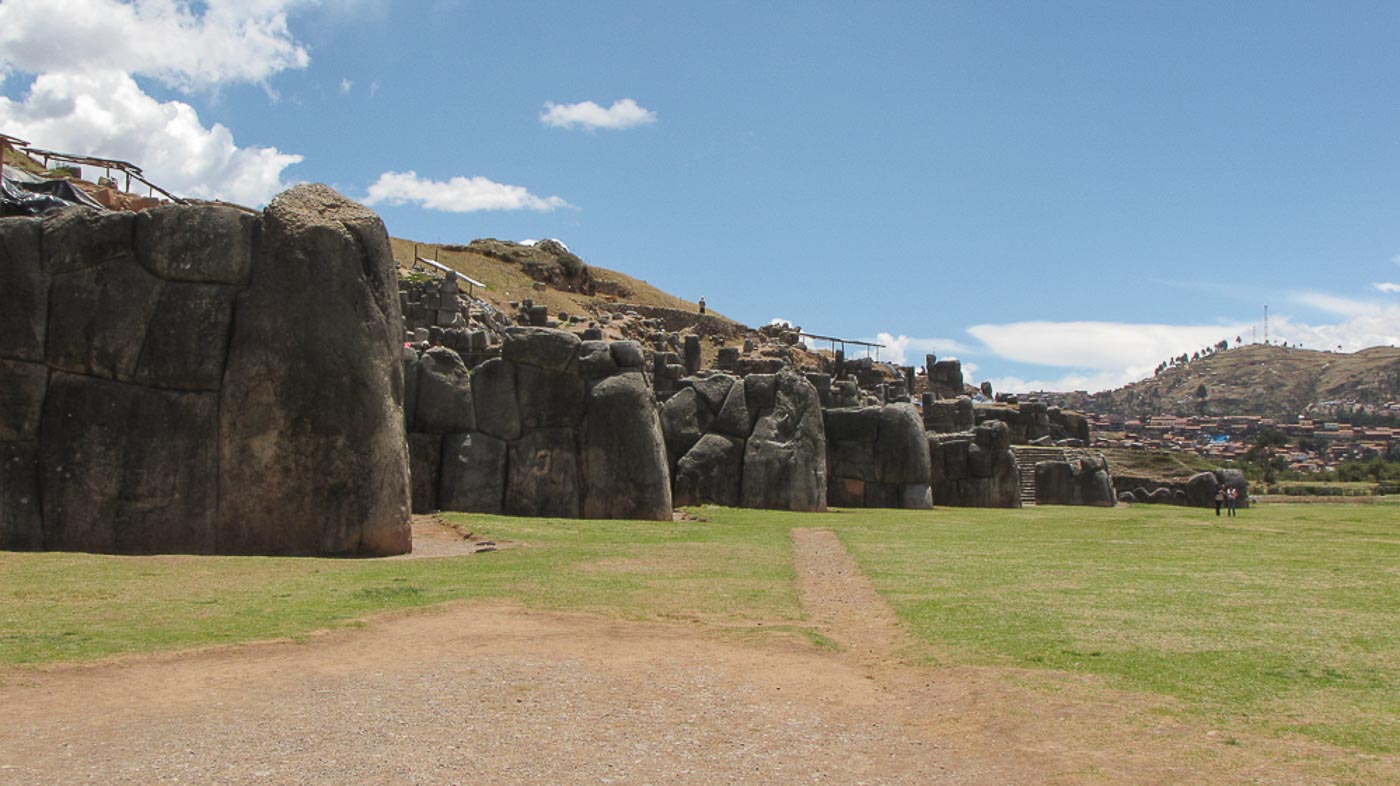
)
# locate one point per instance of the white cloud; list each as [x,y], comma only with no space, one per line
[1388,287]
[905,350]
[1094,382]
[1102,355]
[457,195]
[1335,304]
[232,41]
[1126,347]
[345,85]
[586,114]
[84,99]
[108,115]
[374,88]
[780,321]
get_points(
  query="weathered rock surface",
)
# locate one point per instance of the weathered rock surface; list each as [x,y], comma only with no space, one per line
[473,473]
[624,456]
[21,519]
[444,390]
[710,472]
[128,469]
[202,244]
[543,475]
[424,460]
[281,425]
[24,291]
[202,379]
[877,457]
[785,458]
[1082,481]
[974,468]
[22,387]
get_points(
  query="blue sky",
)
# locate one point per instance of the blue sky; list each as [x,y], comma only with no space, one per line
[1059,194]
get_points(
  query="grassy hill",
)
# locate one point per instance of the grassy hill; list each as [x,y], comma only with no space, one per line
[513,272]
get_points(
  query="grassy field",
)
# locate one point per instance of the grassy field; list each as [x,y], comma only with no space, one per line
[1285,619]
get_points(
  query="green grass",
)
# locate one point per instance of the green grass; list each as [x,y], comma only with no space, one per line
[1286,616]
[1285,619]
[66,607]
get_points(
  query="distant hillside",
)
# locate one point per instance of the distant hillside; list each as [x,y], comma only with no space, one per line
[511,272]
[1257,379]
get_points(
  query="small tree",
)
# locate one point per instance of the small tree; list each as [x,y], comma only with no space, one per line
[1262,452]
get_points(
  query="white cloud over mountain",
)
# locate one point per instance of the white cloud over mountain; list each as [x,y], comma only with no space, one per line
[85,56]
[456,195]
[1101,355]
[623,114]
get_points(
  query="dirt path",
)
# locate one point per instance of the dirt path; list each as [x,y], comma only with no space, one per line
[499,694]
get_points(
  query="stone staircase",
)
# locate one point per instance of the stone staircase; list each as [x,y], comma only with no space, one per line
[1026,458]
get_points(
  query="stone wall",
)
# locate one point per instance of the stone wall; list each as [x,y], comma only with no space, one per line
[974,469]
[1079,481]
[756,442]
[877,457]
[197,379]
[555,426]
[1197,492]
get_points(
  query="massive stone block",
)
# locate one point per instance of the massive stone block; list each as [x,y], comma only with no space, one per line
[128,469]
[710,472]
[24,291]
[624,455]
[901,450]
[684,420]
[424,460]
[202,244]
[552,350]
[548,399]
[186,342]
[80,238]
[473,473]
[444,403]
[785,459]
[542,475]
[309,467]
[99,315]
[21,522]
[734,417]
[22,387]
[493,395]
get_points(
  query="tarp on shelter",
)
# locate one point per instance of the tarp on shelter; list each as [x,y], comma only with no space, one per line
[24,194]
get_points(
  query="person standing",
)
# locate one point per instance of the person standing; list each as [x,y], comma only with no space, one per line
[1232,498]
[1219,500]
[702,304]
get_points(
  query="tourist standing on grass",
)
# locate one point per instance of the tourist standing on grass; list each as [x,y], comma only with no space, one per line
[1232,498]
[1219,500]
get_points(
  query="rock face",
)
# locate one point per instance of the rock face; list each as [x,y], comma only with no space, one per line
[1029,421]
[1197,492]
[323,306]
[202,380]
[877,457]
[974,469]
[757,442]
[1081,481]
[552,427]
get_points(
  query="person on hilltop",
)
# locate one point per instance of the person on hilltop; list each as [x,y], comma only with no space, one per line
[702,304]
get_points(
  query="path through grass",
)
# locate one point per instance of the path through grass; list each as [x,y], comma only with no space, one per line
[1286,618]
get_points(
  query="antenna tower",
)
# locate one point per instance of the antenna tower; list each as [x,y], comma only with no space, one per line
[1266,323]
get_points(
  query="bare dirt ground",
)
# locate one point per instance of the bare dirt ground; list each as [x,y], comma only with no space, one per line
[500,694]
